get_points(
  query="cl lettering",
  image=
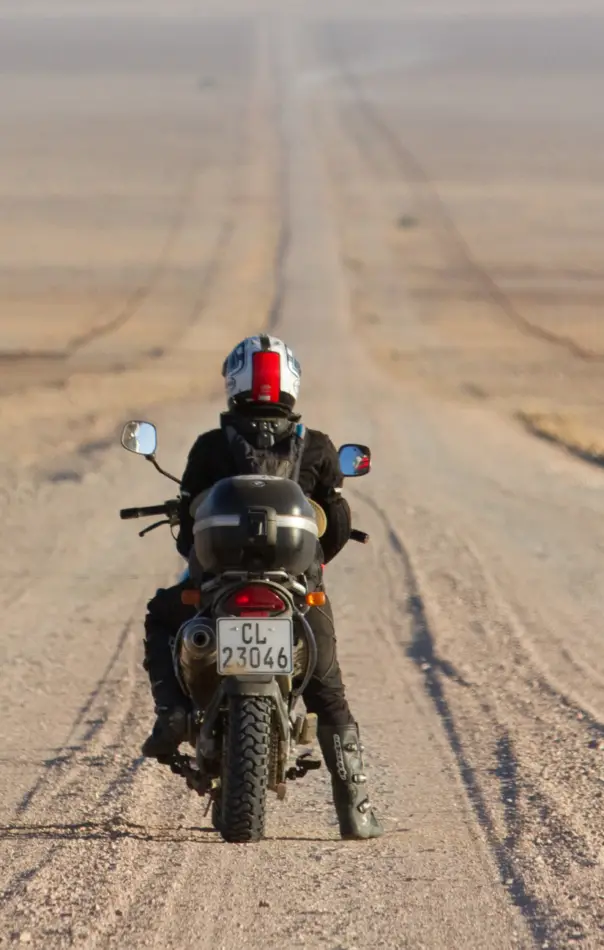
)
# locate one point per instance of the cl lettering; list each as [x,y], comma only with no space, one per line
[246,633]
[250,633]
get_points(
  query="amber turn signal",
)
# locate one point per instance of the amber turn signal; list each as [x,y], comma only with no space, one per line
[191,598]
[316,599]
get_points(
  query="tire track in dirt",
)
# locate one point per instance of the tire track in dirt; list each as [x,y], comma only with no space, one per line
[224,879]
[165,878]
[131,305]
[61,370]
[523,658]
[238,246]
[58,362]
[542,843]
[67,752]
[284,239]
[134,300]
[422,652]
[54,786]
[435,211]
[301,848]
[536,832]
[166,886]
[102,814]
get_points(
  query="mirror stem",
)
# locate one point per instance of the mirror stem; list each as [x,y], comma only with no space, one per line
[153,460]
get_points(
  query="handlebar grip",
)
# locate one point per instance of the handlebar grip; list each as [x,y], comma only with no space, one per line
[359,536]
[154,510]
[128,513]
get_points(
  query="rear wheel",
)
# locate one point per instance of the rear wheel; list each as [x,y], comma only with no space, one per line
[245,768]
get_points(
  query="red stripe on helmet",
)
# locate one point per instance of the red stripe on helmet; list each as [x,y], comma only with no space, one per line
[266,377]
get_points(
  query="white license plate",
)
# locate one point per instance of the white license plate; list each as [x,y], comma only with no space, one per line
[254,645]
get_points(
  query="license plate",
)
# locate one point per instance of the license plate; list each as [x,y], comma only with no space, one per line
[247,646]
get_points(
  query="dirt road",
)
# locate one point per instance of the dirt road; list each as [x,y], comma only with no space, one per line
[357,181]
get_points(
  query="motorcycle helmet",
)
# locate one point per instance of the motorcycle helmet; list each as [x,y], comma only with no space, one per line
[262,377]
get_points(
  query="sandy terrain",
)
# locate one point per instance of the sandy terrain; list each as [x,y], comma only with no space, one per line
[411,195]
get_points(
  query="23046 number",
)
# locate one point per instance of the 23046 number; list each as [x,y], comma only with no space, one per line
[254,658]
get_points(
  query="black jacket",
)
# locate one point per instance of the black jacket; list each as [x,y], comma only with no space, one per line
[210,459]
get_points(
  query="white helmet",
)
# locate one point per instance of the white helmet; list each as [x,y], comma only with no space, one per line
[261,372]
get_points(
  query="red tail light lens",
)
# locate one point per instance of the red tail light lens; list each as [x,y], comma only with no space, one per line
[254,598]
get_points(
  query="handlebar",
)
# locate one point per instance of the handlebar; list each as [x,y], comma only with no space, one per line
[126,514]
[359,536]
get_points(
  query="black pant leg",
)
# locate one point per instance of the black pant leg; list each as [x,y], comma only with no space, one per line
[165,614]
[325,694]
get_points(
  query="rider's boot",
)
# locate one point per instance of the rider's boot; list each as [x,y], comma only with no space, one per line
[169,730]
[171,705]
[342,751]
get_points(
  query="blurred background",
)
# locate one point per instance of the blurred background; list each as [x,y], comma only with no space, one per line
[139,196]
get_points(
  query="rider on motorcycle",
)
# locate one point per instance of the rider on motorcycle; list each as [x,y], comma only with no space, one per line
[261,434]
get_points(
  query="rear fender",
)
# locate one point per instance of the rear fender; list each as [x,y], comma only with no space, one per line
[241,686]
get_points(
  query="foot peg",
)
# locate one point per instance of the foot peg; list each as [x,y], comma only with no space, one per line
[304,764]
[182,765]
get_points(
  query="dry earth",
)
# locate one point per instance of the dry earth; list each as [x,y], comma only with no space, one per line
[412,195]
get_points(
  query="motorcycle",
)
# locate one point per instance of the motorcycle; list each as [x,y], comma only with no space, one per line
[248,652]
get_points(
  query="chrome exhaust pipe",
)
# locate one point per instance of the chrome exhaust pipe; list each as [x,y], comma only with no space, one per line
[197,639]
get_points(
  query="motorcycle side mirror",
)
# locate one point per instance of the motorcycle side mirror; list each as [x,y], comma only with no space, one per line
[140,438]
[355,460]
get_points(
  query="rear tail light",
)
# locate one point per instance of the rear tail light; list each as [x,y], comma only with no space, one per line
[255,600]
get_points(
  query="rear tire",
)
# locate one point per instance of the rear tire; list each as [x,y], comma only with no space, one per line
[245,768]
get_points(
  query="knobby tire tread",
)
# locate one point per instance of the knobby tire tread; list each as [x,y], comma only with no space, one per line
[246,768]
